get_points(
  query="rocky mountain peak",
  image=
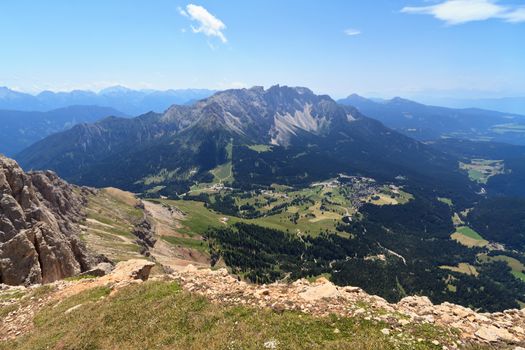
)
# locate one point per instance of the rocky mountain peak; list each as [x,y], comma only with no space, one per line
[39,214]
[272,115]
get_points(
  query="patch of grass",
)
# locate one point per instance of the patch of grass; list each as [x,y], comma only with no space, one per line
[158,315]
[199,218]
[260,148]
[517,267]
[6,309]
[468,237]
[40,291]
[111,216]
[12,294]
[23,298]
[162,176]
[196,244]
[223,173]
[467,231]
[51,314]
[79,277]
[465,268]
[447,201]
[389,196]
[480,170]
[155,189]
[456,220]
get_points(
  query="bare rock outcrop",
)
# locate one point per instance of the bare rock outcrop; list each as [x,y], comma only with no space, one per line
[505,330]
[145,233]
[39,216]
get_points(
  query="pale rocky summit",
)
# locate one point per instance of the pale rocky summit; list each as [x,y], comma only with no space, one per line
[39,240]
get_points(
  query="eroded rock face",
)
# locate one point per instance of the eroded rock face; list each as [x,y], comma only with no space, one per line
[39,214]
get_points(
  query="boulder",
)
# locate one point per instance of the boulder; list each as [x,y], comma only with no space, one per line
[100,270]
[321,289]
[494,334]
[132,269]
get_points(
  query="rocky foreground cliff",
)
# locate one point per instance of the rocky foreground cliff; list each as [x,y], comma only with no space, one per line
[39,216]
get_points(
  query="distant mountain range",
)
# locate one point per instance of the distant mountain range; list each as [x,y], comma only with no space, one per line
[515,105]
[19,129]
[311,138]
[424,122]
[130,102]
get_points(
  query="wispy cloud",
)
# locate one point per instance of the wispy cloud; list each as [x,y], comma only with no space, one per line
[209,25]
[352,32]
[516,16]
[455,12]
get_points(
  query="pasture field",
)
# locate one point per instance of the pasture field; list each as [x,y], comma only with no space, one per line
[480,170]
[518,269]
[198,219]
[462,268]
[260,148]
[468,237]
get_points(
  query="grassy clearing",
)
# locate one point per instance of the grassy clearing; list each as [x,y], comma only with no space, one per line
[196,244]
[480,170]
[456,220]
[159,315]
[447,201]
[389,196]
[518,269]
[162,176]
[260,148]
[465,268]
[467,231]
[468,237]
[310,210]
[223,173]
[199,218]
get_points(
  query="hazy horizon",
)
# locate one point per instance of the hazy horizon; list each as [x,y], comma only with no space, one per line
[446,48]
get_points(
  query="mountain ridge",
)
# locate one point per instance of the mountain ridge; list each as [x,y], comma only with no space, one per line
[20,129]
[129,101]
[425,122]
[288,118]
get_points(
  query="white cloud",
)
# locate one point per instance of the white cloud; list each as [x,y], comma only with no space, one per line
[209,25]
[182,12]
[462,11]
[352,32]
[516,16]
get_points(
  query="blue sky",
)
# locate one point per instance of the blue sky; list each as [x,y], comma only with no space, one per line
[472,48]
